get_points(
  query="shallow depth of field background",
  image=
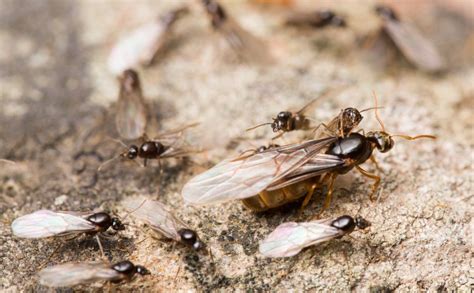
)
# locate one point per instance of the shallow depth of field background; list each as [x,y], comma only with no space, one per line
[55,88]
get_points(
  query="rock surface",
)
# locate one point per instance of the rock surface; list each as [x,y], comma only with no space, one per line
[57,113]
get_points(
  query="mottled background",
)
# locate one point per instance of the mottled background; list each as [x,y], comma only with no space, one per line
[56,115]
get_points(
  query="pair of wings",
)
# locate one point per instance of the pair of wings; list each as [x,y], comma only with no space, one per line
[247,46]
[46,223]
[72,274]
[272,169]
[142,45]
[414,46]
[288,239]
[157,216]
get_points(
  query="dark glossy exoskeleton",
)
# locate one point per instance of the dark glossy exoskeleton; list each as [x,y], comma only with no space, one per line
[104,221]
[348,224]
[147,150]
[190,238]
[317,19]
[72,274]
[128,269]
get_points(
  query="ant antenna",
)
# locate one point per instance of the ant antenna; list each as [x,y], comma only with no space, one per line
[135,209]
[8,161]
[377,113]
[108,162]
[407,137]
[117,141]
[252,128]
[371,108]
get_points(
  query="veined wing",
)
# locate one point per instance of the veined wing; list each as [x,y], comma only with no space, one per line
[131,117]
[46,223]
[246,45]
[318,165]
[137,48]
[157,215]
[288,239]
[415,47]
[245,177]
[71,274]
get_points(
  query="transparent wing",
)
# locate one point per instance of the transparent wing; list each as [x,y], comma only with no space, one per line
[157,215]
[415,47]
[290,238]
[71,274]
[137,48]
[246,45]
[46,223]
[318,165]
[131,117]
[245,177]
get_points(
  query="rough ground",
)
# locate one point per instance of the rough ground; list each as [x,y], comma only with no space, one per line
[55,88]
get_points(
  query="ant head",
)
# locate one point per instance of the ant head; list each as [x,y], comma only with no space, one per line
[326,15]
[117,224]
[215,11]
[130,80]
[386,11]
[281,121]
[382,140]
[338,21]
[362,223]
[141,270]
[131,153]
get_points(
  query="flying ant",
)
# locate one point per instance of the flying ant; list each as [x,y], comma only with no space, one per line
[287,121]
[166,145]
[317,19]
[245,45]
[288,239]
[163,221]
[47,223]
[281,175]
[417,49]
[72,274]
[143,45]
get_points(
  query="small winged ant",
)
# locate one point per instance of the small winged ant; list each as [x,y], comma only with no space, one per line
[162,220]
[244,44]
[316,19]
[415,47]
[143,45]
[47,223]
[288,239]
[72,274]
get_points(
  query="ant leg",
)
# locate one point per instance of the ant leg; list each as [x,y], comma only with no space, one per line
[327,202]
[278,135]
[100,247]
[308,196]
[374,177]
[144,162]
[374,161]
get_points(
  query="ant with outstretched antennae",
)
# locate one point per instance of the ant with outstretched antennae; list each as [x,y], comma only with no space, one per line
[166,145]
